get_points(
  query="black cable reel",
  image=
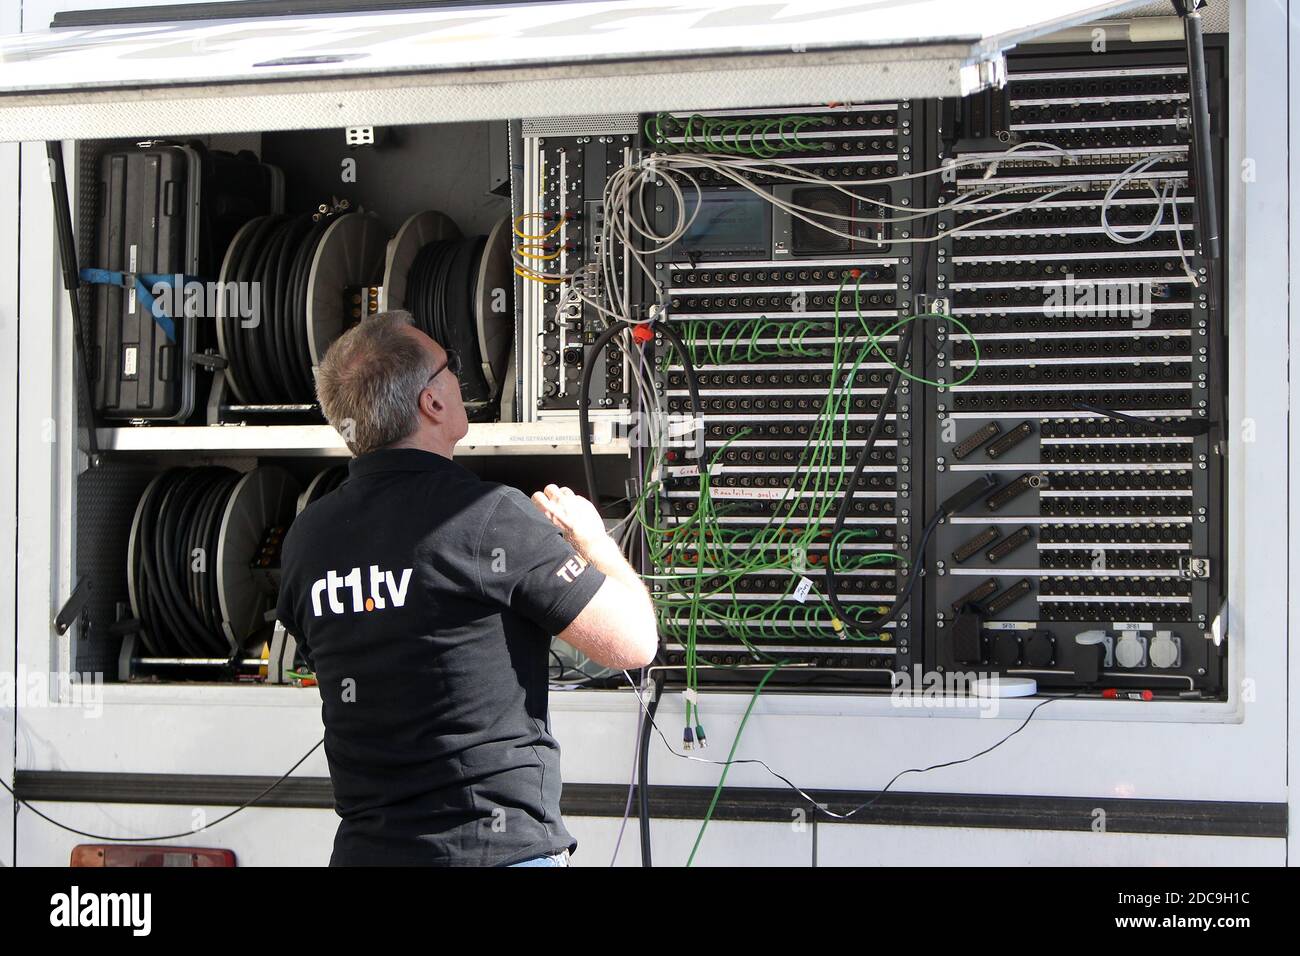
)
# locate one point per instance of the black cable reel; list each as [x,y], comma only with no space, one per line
[203,560]
[291,285]
[459,290]
[321,485]
[284,660]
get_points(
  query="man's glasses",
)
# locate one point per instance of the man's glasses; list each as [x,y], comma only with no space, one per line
[452,364]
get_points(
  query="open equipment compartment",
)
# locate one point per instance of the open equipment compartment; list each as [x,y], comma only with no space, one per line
[379,196]
[1151,751]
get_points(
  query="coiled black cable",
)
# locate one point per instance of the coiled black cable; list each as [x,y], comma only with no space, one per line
[203,529]
[266,367]
[236,335]
[428,265]
[270,359]
[441,295]
[174,573]
[297,292]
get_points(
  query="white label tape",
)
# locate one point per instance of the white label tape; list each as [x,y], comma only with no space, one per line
[692,471]
[753,494]
[684,427]
[801,590]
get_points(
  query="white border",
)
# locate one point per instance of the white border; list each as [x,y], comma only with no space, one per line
[1232,751]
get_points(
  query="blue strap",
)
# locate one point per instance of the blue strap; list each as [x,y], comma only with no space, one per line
[143,283]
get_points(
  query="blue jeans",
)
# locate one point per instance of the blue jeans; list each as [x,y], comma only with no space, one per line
[557,859]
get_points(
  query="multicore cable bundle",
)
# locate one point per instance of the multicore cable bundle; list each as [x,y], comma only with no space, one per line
[202,543]
[459,291]
[441,294]
[269,358]
[305,278]
[175,535]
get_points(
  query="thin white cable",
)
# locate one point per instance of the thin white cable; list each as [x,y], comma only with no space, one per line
[796,212]
[1178,237]
[1161,194]
[796,174]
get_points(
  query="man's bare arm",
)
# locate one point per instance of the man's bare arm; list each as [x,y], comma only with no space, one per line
[617,627]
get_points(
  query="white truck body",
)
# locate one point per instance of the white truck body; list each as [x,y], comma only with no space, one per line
[1234,752]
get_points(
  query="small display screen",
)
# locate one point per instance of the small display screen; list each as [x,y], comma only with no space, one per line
[729,222]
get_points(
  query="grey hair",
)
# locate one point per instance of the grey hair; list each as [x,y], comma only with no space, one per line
[369,380]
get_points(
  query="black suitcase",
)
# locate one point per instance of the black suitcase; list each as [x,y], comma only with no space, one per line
[148,223]
[166,209]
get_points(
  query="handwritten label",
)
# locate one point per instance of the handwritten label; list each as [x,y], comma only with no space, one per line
[678,428]
[753,494]
[801,590]
[692,471]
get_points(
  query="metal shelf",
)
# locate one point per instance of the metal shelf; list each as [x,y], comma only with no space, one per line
[493,438]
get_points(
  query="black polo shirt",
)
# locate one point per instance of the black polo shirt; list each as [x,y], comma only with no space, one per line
[424,598]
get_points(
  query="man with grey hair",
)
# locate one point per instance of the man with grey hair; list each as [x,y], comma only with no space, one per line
[424,599]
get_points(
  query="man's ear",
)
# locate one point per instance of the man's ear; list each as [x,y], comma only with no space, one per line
[431,406]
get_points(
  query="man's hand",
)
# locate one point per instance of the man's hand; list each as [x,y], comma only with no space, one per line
[617,628]
[576,517]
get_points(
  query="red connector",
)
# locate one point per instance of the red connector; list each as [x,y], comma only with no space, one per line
[1112,693]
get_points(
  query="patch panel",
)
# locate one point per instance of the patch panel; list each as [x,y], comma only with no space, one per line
[1072,384]
[1090,399]
[567,166]
[788,332]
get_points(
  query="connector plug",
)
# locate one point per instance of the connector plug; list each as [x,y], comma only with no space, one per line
[967,496]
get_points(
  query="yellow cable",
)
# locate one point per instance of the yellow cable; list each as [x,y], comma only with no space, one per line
[535,215]
[545,280]
[537,255]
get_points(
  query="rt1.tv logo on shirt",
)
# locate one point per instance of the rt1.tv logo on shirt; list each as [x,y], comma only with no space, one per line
[381,581]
